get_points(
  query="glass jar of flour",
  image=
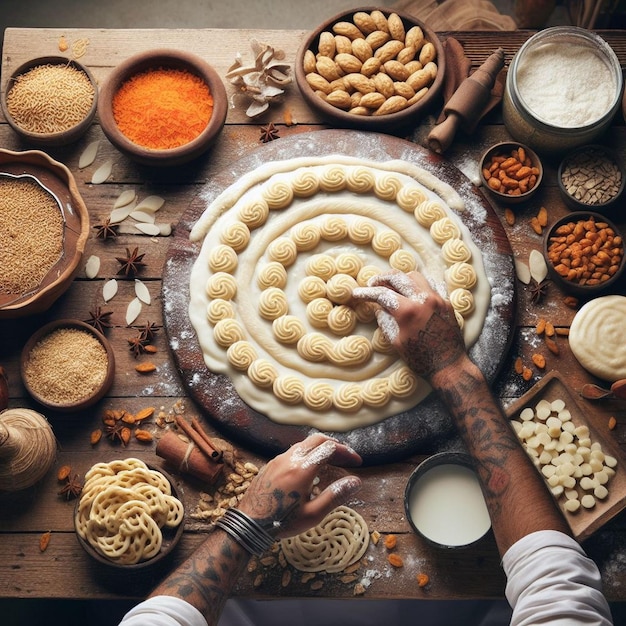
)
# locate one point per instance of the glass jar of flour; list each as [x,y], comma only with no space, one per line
[562,90]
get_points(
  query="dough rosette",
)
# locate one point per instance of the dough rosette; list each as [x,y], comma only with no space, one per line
[409,197]
[255,213]
[402,382]
[236,235]
[386,242]
[360,179]
[282,250]
[403,260]
[333,179]
[311,287]
[341,320]
[361,231]
[455,251]
[352,350]
[262,373]
[241,354]
[460,275]
[462,301]
[319,396]
[288,329]
[278,194]
[317,312]
[314,347]
[223,259]
[273,303]
[444,229]
[387,186]
[339,288]
[334,228]
[221,285]
[349,263]
[376,392]
[227,332]
[429,212]
[289,389]
[272,274]
[219,309]
[348,397]
[305,183]
[306,236]
[322,265]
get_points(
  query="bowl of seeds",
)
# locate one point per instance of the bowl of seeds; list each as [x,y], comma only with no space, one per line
[44,226]
[50,101]
[372,69]
[591,178]
[67,365]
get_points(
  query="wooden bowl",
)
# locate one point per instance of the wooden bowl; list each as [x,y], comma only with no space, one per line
[170,537]
[46,140]
[57,179]
[583,289]
[342,117]
[504,150]
[62,355]
[597,160]
[152,60]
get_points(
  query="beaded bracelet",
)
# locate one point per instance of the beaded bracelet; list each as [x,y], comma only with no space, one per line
[245,531]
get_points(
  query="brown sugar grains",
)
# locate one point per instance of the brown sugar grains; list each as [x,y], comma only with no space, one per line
[66,366]
[31,234]
[50,98]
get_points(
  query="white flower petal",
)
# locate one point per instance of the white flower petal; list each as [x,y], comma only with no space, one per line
[109,289]
[133,311]
[141,291]
[537,265]
[92,267]
[125,198]
[88,155]
[102,173]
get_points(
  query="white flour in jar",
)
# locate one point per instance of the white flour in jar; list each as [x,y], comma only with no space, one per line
[565,84]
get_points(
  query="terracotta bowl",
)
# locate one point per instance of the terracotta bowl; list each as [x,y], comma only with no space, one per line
[582,289]
[592,156]
[167,59]
[170,536]
[504,150]
[62,138]
[340,115]
[59,181]
[83,401]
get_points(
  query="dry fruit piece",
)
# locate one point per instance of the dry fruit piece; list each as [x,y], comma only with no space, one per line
[395,560]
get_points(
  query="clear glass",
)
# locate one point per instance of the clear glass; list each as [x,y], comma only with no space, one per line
[524,124]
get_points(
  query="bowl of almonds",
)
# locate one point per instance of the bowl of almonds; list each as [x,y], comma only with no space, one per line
[585,253]
[511,172]
[371,69]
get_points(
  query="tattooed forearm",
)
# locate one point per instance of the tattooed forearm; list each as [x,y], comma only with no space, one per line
[434,348]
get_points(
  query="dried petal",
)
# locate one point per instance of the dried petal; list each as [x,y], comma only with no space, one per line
[125,198]
[88,155]
[148,229]
[141,291]
[537,265]
[92,267]
[120,214]
[143,216]
[102,173]
[165,230]
[133,310]
[109,289]
[150,204]
[522,271]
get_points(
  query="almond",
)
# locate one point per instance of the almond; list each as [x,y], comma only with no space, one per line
[391,105]
[389,50]
[395,560]
[95,437]
[361,83]
[343,44]
[377,39]
[143,435]
[396,27]
[370,66]
[406,55]
[364,22]
[44,540]
[414,37]
[326,46]
[372,100]
[396,70]
[362,50]
[384,84]
[348,62]
[380,20]
[317,82]
[419,79]
[347,29]
[64,472]
[144,414]
[145,368]
[427,53]
[328,69]
[308,63]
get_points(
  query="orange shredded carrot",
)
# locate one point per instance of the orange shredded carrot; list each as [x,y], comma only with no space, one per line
[163,108]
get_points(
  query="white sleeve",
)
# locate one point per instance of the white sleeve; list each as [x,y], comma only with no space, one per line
[551,581]
[163,611]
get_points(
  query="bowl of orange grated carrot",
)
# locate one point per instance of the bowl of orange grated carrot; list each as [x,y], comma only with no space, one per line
[162,107]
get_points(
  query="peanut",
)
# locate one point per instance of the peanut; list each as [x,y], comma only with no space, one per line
[374,53]
[585,252]
[510,174]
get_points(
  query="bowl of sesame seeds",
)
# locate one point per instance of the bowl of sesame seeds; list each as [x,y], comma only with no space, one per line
[50,101]
[67,365]
[44,226]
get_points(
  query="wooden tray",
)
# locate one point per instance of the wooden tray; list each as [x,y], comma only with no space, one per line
[585,521]
[419,430]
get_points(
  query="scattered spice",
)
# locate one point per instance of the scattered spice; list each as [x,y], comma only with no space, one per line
[145,368]
[612,422]
[50,98]
[95,436]
[66,366]
[163,108]
[269,133]
[106,230]
[44,541]
[31,234]
[395,560]
[100,319]
[390,541]
[509,217]
[422,579]
[64,472]
[539,360]
[72,488]
[538,290]
[131,263]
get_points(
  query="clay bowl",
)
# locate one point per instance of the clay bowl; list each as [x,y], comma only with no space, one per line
[340,116]
[46,140]
[55,178]
[152,60]
[583,288]
[170,539]
[594,160]
[504,150]
[62,354]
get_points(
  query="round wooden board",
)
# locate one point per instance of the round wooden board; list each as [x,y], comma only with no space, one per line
[418,431]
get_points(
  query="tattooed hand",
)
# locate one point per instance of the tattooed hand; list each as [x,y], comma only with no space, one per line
[416,320]
[279,497]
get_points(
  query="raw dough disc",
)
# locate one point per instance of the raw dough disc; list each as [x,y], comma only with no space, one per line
[597,337]
[337,542]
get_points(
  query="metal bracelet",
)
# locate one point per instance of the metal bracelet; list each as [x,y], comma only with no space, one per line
[246,531]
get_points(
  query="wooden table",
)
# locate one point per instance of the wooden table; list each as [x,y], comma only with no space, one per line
[64,570]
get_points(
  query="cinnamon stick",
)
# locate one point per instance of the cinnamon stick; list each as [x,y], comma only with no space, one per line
[204,446]
[197,426]
[185,457]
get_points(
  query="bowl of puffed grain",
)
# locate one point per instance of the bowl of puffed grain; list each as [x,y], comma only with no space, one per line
[371,69]
[50,101]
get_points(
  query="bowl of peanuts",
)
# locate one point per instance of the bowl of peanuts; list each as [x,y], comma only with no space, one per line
[585,253]
[371,69]
[511,172]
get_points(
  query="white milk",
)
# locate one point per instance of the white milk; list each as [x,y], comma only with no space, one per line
[447,505]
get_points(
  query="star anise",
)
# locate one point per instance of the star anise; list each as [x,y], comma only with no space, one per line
[72,488]
[148,331]
[131,263]
[269,133]
[538,290]
[137,345]
[117,430]
[99,319]
[106,230]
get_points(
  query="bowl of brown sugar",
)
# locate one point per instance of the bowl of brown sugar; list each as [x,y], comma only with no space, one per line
[44,226]
[50,101]
[67,365]
[163,107]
